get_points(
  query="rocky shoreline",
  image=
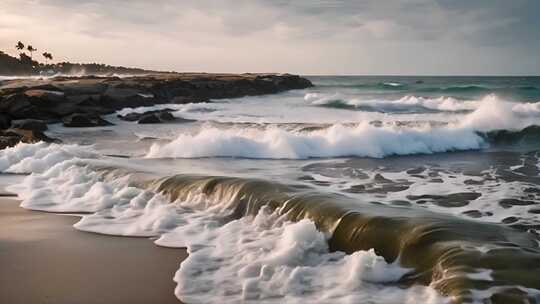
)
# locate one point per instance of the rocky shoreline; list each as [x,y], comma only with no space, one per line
[80,101]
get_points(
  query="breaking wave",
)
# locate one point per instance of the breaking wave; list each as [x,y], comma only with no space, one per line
[284,259]
[364,140]
[407,104]
[294,243]
[361,140]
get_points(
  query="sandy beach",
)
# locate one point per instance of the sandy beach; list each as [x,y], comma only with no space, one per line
[45,260]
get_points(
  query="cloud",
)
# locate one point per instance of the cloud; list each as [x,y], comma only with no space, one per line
[303,36]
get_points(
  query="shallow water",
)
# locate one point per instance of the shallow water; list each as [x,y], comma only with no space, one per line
[381,189]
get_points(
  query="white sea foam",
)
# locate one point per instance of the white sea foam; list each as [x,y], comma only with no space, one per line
[364,139]
[262,258]
[527,109]
[496,114]
[393,84]
[139,110]
[407,103]
[491,105]
[338,140]
[39,157]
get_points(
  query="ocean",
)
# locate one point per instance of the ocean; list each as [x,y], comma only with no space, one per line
[361,189]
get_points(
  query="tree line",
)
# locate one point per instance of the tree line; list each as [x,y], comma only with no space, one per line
[26,65]
[21,47]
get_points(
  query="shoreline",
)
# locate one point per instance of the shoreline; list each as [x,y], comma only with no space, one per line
[45,260]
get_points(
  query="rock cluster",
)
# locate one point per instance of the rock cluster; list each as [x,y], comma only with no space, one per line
[80,101]
[149,117]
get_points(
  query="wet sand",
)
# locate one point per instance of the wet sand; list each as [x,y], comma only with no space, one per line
[45,260]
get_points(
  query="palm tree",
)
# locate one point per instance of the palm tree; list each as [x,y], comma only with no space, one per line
[31,49]
[19,46]
[48,56]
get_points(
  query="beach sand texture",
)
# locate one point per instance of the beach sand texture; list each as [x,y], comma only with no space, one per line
[45,260]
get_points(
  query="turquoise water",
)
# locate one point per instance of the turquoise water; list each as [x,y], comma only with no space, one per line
[520,88]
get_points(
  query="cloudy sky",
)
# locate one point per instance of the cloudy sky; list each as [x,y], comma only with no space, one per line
[428,37]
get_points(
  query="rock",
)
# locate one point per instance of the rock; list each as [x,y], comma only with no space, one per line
[31,136]
[79,85]
[33,104]
[165,116]
[48,95]
[135,116]
[12,137]
[83,120]
[53,99]
[15,105]
[130,116]
[8,140]
[160,115]
[149,119]
[29,124]
[5,121]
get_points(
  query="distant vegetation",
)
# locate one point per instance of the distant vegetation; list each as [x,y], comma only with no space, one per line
[25,65]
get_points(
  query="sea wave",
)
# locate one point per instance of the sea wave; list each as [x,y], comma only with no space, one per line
[39,157]
[468,88]
[494,113]
[294,243]
[406,104]
[420,86]
[364,140]
[283,262]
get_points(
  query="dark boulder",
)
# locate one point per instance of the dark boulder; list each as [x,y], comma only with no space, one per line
[33,104]
[12,137]
[5,121]
[149,119]
[162,117]
[165,116]
[130,116]
[8,140]
[84,120]
[50,97]
[16,105]
[137,116]
[29,124]
[156,116]
[153,117]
